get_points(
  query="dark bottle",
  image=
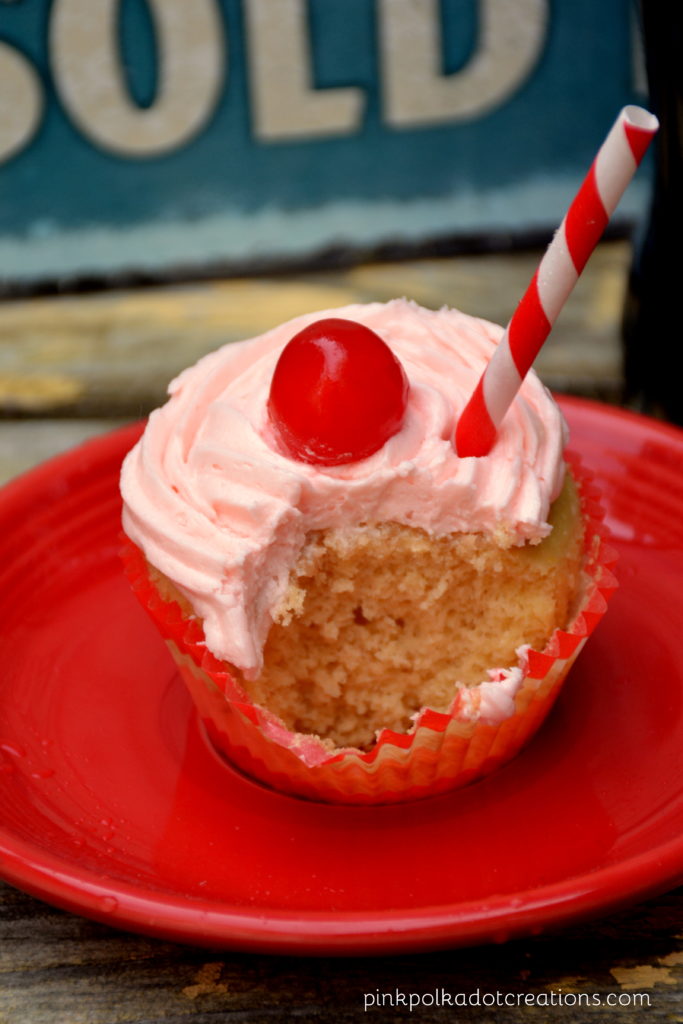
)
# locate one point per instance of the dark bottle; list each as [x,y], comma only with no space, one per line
[653,314]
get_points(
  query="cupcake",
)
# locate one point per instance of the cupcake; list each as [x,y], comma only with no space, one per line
[359,614]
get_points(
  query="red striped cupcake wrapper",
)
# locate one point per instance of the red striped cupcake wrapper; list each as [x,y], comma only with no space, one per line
[442,750]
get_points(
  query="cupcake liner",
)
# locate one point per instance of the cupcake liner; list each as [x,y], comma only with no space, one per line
[443,750]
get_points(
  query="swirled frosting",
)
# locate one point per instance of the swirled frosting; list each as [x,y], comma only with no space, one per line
[219,510]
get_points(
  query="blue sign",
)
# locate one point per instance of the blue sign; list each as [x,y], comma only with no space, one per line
[156,134]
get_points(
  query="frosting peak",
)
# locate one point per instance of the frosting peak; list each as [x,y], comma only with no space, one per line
[218,509]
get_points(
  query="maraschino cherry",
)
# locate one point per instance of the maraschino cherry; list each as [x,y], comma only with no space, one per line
[338,393]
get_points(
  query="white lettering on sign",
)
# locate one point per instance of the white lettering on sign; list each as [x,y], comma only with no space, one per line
[86,66]
[285,105]
[416,92]
[21,102]
[191,46]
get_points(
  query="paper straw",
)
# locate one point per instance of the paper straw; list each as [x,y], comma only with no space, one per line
[558,272]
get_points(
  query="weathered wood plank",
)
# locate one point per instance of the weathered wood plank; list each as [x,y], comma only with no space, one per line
[113,353]
[56,967]
[25,443]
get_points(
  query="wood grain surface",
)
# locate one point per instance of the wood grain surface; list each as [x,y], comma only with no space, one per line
[56,968]
[113,353]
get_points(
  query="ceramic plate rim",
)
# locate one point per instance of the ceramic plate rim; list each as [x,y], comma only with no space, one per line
[347,932]
[221,925]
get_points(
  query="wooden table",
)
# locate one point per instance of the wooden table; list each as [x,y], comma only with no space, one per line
[60,969]
[72,367]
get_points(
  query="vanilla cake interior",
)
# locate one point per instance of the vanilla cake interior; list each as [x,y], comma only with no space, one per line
[381,620]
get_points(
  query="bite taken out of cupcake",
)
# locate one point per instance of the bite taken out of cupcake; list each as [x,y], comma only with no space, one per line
[360,613]
[361,538]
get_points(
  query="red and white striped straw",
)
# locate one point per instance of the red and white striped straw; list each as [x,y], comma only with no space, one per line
[558,272]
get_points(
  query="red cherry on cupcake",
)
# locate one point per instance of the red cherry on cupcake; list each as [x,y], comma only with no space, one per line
[338,393]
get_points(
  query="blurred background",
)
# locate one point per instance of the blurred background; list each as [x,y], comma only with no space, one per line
[175,175]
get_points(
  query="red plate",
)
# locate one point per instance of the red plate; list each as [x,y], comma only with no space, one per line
[113,805]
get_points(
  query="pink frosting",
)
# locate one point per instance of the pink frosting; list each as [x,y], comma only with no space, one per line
[222,513]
